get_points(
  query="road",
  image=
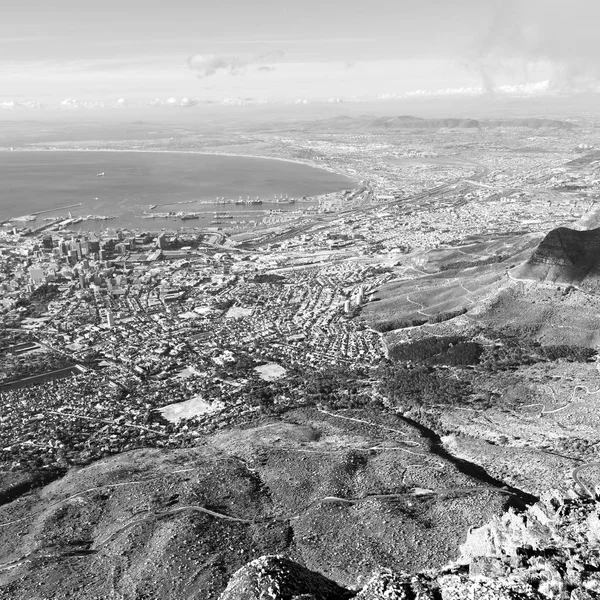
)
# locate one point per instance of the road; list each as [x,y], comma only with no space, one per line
[577,479]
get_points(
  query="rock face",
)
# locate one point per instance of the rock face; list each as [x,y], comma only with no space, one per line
[279,578]
[549,552]
[565,256]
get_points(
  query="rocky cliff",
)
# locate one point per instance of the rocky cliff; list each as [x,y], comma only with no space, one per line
[549,551]
[565,256]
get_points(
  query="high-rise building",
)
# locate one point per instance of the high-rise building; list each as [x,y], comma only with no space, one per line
[361,295]
[110,319]
[37,275]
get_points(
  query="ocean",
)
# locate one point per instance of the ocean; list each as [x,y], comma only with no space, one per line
[32,181]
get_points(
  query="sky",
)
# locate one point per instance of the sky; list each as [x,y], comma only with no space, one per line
[140,51]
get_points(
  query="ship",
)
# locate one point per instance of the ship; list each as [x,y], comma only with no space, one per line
[100,174]
[152,206]
[189,217]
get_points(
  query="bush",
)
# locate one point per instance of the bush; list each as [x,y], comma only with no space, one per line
[570,353]
[461,354]
[420,386]
[224,304]
[422,350]
[466,264]
[45,292]
[448,350]
[446,316]
[391,325]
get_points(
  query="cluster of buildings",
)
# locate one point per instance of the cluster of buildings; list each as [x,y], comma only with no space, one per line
[148,326]
[154,319]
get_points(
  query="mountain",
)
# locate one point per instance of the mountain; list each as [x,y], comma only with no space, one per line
[547,552]
[408,122]
[338,493]
[565,256]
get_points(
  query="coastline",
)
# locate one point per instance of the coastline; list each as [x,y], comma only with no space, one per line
[199,152]
[350,183]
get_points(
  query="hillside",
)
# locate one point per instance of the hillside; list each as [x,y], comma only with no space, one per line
[565,256]
[549,551]
[406,122]
[339,492]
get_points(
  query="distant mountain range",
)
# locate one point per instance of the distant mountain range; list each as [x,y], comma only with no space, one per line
[368,123]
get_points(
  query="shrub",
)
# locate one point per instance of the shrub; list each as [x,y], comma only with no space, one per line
[391,325]
[420,386]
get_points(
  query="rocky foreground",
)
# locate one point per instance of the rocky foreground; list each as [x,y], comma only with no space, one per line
[309,505]
[551,550]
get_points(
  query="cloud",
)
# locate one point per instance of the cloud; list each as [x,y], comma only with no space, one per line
[524,38]
[517,90]
[208,65]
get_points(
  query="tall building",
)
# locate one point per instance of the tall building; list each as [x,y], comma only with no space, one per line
[110,319]
[361,295]
[37,275]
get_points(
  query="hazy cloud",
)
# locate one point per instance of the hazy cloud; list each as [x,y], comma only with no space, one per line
[556,35]
[207,65]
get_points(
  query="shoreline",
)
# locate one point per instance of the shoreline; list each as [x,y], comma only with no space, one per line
[199,152]
[353,183]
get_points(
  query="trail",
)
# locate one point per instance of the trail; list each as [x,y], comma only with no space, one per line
[577,479]
[561,408]
[154,516]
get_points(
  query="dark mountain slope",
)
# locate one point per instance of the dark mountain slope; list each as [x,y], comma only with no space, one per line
[565,256]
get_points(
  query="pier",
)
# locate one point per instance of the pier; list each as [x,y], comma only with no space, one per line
[41,212]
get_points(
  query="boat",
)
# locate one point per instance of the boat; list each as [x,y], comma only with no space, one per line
[152,206]
[100,174]
[189,217]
